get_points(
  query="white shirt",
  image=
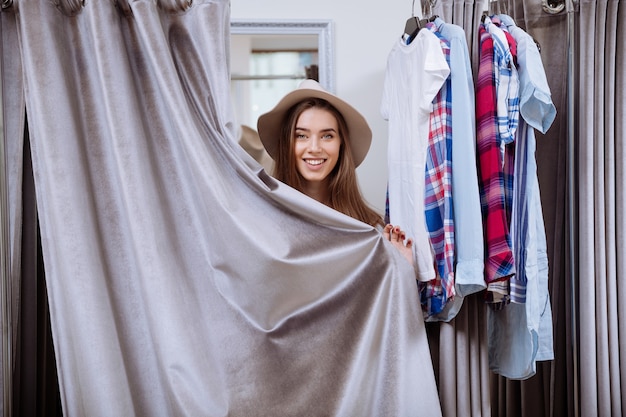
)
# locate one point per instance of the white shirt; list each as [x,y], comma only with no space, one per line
[414,75]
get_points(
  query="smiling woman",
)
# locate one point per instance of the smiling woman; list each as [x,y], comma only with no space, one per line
[317,140]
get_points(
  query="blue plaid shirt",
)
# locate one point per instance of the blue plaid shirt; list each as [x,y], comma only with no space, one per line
[439,211]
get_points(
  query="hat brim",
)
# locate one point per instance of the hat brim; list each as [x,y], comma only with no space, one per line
[269,124]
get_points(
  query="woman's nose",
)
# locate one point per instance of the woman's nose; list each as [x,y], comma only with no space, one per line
[314,144]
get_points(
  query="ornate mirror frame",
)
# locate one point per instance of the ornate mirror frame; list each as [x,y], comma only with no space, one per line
[322,28]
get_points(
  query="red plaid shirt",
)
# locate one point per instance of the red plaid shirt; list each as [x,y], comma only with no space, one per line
[499,261]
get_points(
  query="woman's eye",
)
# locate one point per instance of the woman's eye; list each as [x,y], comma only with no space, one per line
[300,136]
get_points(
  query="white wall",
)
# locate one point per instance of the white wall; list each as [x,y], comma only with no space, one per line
[364,32]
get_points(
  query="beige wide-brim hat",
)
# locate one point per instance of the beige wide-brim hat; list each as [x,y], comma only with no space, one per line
[269,124]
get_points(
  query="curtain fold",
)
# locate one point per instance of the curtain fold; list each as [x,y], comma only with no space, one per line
[620,193]
[600,208]
[14,119]
[182,279]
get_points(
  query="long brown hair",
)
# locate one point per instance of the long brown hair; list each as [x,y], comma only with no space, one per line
[345,195]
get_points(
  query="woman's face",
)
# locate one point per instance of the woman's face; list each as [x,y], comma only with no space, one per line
[317,145]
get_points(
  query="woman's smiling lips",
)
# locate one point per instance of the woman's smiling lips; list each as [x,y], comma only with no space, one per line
[315,163]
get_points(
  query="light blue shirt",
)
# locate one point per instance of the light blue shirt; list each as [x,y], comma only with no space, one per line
[468,231]
[521,334]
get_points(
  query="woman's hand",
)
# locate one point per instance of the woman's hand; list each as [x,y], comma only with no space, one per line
[397,237]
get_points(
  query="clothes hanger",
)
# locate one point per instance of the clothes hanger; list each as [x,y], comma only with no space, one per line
[490,10]
[500,7]
[495,7]
[413,25]
[427,10]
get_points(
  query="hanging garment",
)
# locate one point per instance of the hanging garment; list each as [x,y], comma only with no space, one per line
[182,279]
[522,333]
[438,209]
[468,233]
[414,74]
[492,137]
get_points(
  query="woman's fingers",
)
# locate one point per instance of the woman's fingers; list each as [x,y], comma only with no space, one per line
[397,237]
[398,234]
[392,232]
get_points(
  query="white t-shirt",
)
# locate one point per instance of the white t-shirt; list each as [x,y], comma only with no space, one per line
[415,73]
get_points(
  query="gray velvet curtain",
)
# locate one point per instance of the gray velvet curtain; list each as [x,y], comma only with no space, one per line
[601,198]
[181,278]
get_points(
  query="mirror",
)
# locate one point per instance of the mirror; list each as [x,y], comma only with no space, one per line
[270,58]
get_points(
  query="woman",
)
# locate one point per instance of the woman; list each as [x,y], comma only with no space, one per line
[317,140]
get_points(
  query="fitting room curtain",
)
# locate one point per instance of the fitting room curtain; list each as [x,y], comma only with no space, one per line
[182,279]
[601,202]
